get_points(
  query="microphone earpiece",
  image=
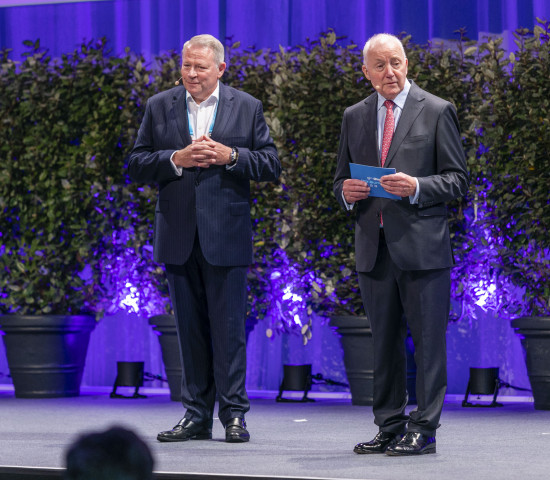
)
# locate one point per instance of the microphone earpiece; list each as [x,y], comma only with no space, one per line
[177,82]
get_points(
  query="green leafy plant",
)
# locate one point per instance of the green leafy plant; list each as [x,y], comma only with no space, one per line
[67,125]
[73,226]
[515,136]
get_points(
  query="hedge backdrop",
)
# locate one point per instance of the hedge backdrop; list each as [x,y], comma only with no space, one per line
[76,234]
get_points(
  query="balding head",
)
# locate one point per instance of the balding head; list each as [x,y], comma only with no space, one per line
[385,65]
[381,38]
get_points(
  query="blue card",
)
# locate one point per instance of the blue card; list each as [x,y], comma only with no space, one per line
[372,175]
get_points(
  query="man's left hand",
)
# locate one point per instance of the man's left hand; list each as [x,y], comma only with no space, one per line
[399,184]
[217,153]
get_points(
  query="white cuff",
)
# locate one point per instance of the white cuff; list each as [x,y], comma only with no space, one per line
[349,206]
[414,198]
[177,170]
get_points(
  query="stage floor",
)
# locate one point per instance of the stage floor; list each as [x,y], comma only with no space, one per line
[289,440]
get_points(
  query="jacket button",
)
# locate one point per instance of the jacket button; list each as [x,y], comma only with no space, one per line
[197,183]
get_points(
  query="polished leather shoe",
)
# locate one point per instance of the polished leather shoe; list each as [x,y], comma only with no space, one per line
[413,443]
[186,430]
[378,444]
[235,431]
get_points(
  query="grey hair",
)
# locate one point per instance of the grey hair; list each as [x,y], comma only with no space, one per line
[207,41]
[381,37]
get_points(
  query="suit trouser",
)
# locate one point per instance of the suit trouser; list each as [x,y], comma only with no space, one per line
[210,308]
[422,297]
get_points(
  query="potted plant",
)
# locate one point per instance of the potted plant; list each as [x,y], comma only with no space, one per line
[501,244]
[516,140]
[305,258]
[65,130]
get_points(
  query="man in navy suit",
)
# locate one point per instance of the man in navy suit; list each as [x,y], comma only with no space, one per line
[403,250]
[202,144]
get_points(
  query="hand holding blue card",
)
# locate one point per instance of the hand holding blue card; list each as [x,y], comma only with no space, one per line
[372,176]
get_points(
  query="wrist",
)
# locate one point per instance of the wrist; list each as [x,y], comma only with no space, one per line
[233,157]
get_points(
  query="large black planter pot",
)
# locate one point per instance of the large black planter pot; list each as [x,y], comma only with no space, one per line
[46,353]
[535,339]
[165,327]
[356,339]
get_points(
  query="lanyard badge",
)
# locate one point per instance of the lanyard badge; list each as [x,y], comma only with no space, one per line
[210,128]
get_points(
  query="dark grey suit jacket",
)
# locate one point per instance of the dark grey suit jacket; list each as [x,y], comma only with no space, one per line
[212,201]
[426,144]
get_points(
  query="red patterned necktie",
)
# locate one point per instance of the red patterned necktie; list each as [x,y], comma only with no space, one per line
[388,131]
[387,136]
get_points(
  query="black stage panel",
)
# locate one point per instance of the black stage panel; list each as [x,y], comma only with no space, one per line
[30,473]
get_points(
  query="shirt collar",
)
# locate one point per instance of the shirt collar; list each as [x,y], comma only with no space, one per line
[400,99]
[212,99]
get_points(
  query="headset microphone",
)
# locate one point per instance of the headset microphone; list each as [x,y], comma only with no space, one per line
[177,82]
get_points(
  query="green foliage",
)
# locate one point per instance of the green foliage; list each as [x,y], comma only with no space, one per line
[68,125]
[311,87]
[513,165]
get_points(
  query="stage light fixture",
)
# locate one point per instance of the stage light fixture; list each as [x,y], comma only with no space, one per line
[483,381]
[129,374]
[296,378]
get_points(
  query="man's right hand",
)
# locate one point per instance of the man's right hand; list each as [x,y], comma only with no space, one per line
[355,190]
[194,155]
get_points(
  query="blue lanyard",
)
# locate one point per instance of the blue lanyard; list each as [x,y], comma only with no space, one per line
[191,132]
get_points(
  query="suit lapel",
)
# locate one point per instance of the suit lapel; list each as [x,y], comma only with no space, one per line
[369,125]
[225,107]
[412,108]
[179,112]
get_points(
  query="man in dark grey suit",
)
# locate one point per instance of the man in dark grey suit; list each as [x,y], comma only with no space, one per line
[202,144]
[402,247]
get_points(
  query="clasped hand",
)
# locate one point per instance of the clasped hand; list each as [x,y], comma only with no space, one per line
[203,152]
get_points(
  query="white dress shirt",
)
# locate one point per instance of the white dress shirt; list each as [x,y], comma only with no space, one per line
[399,102]
[201,117]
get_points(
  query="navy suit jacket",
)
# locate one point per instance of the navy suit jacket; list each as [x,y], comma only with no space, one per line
[215,201]
[427,145]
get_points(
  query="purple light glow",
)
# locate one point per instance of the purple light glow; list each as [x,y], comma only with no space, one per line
[477,280]
[485,292]
[130,279]
[290,294]
[130,302]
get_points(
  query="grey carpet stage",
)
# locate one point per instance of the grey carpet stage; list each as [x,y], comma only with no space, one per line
[289,440]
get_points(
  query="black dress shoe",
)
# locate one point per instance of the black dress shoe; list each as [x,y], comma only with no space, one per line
[378,444]
[186,430]
[235,431]
[413,443]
